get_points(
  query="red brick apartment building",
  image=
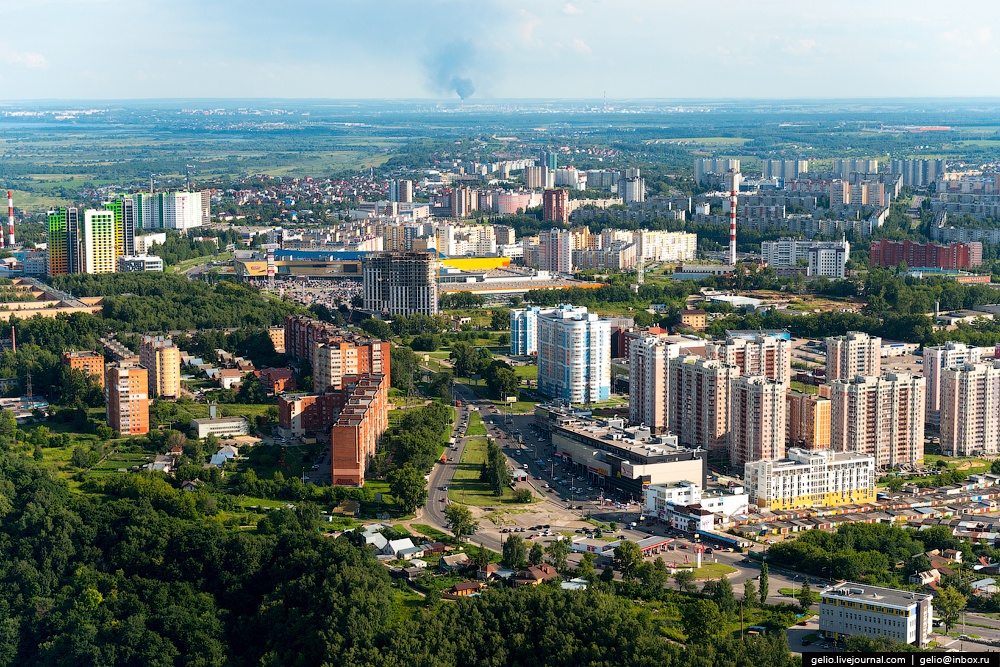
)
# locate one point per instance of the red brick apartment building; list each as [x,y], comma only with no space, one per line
[885,252]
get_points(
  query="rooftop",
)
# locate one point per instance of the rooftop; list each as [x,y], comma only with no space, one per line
[874,594]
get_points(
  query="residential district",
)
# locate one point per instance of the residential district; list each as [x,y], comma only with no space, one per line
[696,449]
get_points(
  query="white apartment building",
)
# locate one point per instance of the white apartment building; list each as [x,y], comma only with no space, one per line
[658,499]
[823,258]
[524,329]
[172,210]
[765,355]
[574,355]
[98,242]
[649,380]
[787,170]
[857,353]
[950,355]
[757,413]
[848,608]
[705,166]
[882,417]
[811,478]
[849,165]
[555,251]
[970,410]
[666,246]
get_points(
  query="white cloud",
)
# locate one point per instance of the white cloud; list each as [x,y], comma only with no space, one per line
[800,47]
[528,24]
[580,46]
[26,58]
[570,9]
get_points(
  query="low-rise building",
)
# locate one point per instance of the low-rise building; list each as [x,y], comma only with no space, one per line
[849,608]
[220,426]
[139,263]
[277,380]
[811,479]
[696,319]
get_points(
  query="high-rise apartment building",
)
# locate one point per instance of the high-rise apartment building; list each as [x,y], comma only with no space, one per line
[822,258]
[757,413]
[970,410]
[882,417]
[162,359]
[401,283]
[537,178]
[463,201]
[555,205]
[916,172]
[339,356]
[649,381]
[632,190]
[807,478]
[98,242]
[857,353]
[807,421]
[574,355]
[555,251]
[886,252]
[63,241]
[666,246]
[90,363]
[125,223]
[172,210]
[787,170]
[401,191]
[699,403]
[361,423]
[718,166]
[524,329]
[126,393]
[950,355]
[764,355]
[851,165]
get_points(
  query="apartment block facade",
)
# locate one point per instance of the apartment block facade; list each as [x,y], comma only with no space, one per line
[90,363]
[339,356]
[757,413]
[764,355]
[950,355]
[555,205]
[649,381]
[881,416]
[401,283]
[699,405]
[857,353]
[808,478]
[574,355]
[555,251]
[126,393]
[822,258]
[163,360]
[807,420]
[886,252]
[361,423]
[970,410]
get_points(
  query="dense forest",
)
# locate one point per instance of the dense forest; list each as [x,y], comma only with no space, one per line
[88,581]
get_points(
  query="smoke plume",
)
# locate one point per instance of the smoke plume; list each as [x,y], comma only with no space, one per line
[448,68]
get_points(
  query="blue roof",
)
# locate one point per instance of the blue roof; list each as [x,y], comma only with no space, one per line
[327,255]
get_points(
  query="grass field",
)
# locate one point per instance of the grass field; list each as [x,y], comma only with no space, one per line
[465,486]
[476,425]
[713,570]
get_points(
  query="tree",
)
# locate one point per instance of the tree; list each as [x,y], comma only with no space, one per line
[407,486]
[702,620]
[251,391]
[895,484]
[750,598]
[514,552]
[607,575]
[724,598]
[558,551]
[627,558]
[377,328]
[483,557]
[949,603]
[684,579]
[522,496]
[536,554]
[614,526]
[806,596]
[460,516]
[500,320]
[763,584]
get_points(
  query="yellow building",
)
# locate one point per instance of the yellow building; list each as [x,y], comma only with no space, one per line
[811,479]
[163,361]
[696,319]
[807,421]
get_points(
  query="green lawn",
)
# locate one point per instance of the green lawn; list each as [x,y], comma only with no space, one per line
[465,486]
[430,532]
[527,372]
[476,425]
[712,570]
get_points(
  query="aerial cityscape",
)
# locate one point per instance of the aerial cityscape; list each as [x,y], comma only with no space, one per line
[571,340]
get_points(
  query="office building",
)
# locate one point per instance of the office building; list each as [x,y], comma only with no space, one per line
[401,191]
[649,380]
[848,608]
[574,360]
[172,210]
[811,478]
[787,170]
[89,363]
[857,353]
[699,403]
[555,205]
[886,252]
[360,425]
[125,222]
[162,358]
[882,417]
[339,356]
[555,251]
[757,413]
[98,242]
[127,263]
[220,427]
[762,354]
[950,355]
[126,387]
[821,258]
[62,242]
[35,263]
[970,410]
[807,421]
[400,283]
[717,166]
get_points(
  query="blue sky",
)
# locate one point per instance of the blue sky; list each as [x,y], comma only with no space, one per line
[121,49]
